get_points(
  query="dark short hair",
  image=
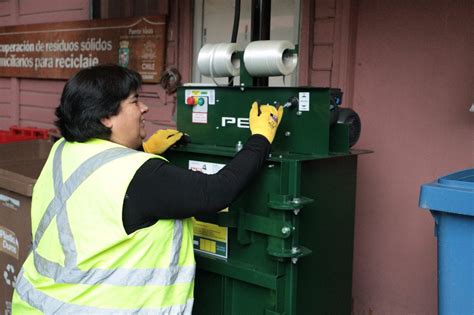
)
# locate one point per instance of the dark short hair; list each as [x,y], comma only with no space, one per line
[91,95]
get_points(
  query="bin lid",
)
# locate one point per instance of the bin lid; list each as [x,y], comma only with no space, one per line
[452,193]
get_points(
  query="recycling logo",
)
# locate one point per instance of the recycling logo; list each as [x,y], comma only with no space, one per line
[9,275]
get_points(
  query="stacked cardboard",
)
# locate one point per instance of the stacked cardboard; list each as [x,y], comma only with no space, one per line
[20,166]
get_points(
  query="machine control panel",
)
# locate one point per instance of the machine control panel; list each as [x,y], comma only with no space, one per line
[218,116]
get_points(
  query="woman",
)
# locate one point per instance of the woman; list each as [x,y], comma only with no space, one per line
[111,224]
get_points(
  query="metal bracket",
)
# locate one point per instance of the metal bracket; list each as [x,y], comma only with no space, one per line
[294,253]
[255,223]
[287,202]
[270,312]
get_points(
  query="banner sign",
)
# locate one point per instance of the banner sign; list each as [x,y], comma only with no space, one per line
[59,50]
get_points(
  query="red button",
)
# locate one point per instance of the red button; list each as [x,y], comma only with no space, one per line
[190,100]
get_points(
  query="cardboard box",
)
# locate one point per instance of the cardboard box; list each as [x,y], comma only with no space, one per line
[20,166]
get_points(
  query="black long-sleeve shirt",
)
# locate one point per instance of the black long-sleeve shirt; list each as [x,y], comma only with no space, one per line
[160,190]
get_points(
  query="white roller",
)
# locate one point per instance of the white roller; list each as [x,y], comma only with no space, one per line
[219,60]
[270,58]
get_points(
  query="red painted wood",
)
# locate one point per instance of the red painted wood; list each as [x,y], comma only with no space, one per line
[325,8]
[185,32]
[39,99]
[305,42]
[41,94]
[15,101]
[321,78]
[160,113]
[46,86]
[4,83]
[322,57]
[5,122]
[37,114]
[32,7]
[34,123]
[4,109]
[324,31]
[413,88]
[4,10]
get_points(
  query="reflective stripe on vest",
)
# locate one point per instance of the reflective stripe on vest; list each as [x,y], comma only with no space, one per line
[50,305]
[71,274]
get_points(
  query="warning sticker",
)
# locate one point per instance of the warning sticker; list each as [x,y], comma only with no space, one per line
[199,118]
[209,238]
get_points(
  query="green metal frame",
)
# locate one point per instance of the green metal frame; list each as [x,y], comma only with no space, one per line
[290,233]
[290,240]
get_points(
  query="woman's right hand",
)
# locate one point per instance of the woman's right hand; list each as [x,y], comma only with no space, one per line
[265,121]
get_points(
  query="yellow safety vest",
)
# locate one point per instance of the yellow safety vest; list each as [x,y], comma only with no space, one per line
[82,260]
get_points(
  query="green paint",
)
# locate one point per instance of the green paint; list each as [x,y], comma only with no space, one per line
[290,239]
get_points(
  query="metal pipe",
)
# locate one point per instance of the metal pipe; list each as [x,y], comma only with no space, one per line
[260,28]
[235,31]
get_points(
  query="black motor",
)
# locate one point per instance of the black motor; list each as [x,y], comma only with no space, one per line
[345,116]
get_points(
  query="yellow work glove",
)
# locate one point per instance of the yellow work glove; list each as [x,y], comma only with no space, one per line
[161,140]
[265,123]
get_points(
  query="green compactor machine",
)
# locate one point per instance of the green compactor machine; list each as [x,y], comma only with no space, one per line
[285,246]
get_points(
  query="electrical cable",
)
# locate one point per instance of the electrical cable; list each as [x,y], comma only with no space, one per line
[235,30]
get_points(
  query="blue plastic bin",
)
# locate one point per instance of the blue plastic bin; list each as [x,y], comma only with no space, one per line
[451,201]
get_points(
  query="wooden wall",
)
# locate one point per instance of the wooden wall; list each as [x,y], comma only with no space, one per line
[413,87]
[31,102]
[406,68]
[327,41]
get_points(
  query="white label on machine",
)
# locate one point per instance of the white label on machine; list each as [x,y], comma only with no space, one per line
[199,118]
[200,112]
[210,94]
[303,105]
[209,238]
